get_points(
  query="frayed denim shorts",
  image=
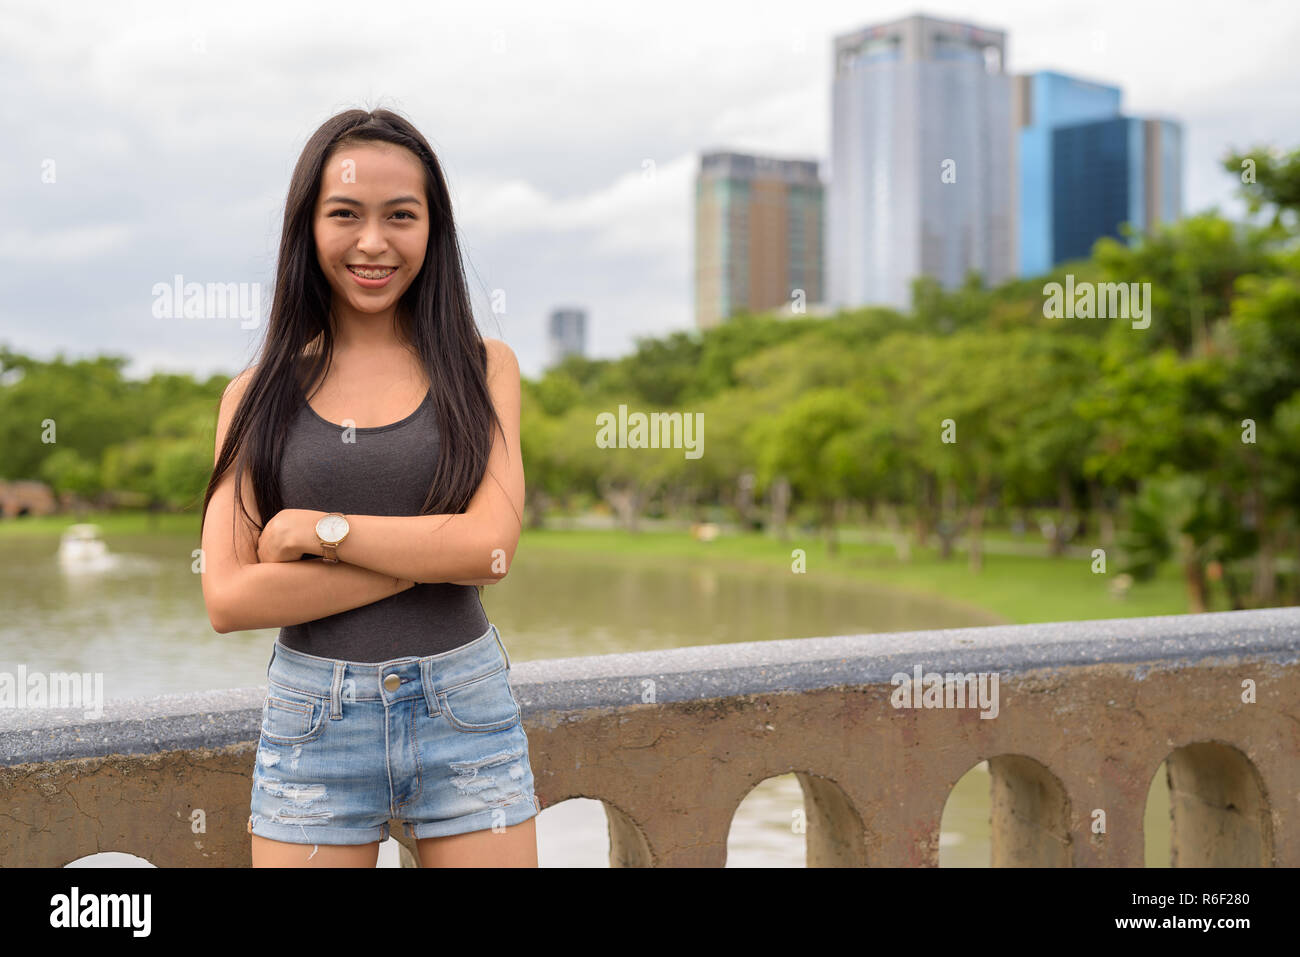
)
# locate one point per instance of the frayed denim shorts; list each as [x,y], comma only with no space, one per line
[435,743]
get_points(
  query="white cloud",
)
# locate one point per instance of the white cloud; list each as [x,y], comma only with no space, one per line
[642,211]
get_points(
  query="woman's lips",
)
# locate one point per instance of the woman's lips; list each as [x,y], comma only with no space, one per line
[372,277]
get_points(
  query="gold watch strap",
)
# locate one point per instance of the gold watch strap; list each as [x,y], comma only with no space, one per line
[331,552]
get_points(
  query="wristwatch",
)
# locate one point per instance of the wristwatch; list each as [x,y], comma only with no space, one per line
[331,529]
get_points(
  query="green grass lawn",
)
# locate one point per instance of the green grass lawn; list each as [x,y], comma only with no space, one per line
[1019,589]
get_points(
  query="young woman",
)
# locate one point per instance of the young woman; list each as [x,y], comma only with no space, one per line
[380,433]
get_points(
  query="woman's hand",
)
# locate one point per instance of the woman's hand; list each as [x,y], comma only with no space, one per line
[290,534]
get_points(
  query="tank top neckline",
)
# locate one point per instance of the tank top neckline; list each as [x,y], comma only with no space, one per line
[368,428]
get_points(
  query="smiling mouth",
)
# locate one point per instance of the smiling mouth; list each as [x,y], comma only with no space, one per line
[372,272]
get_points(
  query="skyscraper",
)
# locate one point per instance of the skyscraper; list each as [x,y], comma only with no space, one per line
[920,160]
[1040,103]
[1113,171]
[566,333]
[1083,169]
[758,235]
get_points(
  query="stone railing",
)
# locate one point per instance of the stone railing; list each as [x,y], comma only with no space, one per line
[672,741]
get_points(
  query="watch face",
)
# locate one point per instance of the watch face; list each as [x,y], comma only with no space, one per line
[332,528]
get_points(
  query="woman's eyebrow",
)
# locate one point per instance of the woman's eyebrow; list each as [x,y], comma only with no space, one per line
[355,202]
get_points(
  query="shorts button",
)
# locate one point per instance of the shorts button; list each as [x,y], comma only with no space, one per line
[392,682]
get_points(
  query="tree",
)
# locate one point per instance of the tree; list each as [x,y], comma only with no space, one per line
[800,444]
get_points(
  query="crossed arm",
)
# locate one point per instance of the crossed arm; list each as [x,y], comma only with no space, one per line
[473,548]
[263,584]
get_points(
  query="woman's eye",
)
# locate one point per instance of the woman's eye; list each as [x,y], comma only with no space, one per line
[348,212]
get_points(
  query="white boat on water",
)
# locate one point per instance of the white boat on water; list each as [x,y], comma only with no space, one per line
[81,549]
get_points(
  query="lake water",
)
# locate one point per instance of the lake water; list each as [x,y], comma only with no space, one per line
[143,625]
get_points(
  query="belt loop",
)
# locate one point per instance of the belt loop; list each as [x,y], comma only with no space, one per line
[426,684]
[336,691]
[503,646]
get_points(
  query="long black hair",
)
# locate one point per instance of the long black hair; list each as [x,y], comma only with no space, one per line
[434,315]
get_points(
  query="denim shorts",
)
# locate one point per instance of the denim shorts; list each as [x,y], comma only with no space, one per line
[435,743]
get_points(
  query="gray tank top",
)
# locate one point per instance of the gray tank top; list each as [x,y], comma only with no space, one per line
[386,471]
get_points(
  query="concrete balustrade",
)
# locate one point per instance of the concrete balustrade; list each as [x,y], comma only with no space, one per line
[672,741]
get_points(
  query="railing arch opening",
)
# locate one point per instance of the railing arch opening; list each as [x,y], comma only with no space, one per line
[964,825]
[1219,812]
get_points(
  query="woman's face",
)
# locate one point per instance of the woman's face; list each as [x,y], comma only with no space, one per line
[371,212]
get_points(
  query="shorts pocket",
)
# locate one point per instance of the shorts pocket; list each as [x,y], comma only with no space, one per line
[291,717]
[483,704]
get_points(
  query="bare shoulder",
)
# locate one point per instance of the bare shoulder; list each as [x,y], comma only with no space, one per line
[234,393]
[236,387]
[230,399]
[500,358]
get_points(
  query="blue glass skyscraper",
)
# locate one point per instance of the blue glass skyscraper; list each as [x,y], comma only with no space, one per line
[1111,172]
[1083,169]
[1042,102]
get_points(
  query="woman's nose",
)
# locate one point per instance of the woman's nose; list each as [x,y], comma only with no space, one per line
[372,239]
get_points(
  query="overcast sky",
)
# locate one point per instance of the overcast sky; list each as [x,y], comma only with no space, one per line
[174,127]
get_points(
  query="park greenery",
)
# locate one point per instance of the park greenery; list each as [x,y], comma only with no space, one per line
[973,413]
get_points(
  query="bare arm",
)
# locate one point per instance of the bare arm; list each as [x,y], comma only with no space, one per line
[276,594]
[470,548]
[461,549]
[241,593]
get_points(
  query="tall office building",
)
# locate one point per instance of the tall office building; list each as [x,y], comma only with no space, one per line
[1109,172]
[566,333]
[1040,102]
[1083,169]
[920,159]
[758,235]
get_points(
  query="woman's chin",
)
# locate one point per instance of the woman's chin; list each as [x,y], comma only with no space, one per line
[372,305]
